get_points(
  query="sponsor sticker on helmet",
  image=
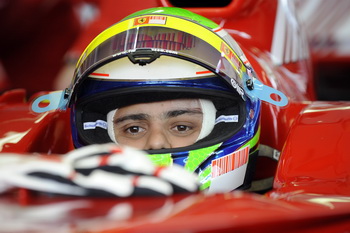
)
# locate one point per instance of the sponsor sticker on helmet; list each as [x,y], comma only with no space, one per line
[238,88]
[229,162]
[150,20]
[92,125]
[226,118]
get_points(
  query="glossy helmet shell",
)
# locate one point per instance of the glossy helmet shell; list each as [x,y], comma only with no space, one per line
[171,53]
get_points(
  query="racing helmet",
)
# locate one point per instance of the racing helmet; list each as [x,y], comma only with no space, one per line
[164,54]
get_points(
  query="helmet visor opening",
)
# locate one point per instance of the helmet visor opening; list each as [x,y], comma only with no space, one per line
[95,109]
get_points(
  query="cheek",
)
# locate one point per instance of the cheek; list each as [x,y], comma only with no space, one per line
[183,141]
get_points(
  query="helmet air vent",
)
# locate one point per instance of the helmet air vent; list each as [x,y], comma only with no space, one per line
[143,56]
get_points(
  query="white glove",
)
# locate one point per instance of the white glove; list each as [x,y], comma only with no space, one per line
[96,170]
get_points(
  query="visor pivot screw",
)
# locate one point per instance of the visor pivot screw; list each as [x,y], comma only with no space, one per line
[250,84]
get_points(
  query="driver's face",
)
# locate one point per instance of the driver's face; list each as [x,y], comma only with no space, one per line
[159,125]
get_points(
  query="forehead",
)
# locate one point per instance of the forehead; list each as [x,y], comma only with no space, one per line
[160,107]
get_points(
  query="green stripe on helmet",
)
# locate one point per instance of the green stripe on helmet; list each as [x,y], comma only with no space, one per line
[161,159]
[196,157]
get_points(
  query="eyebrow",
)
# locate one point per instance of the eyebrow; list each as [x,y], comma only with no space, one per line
[176,113]
[134,117]
[169,114]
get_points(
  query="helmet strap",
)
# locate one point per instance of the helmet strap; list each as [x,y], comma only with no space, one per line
[209,116]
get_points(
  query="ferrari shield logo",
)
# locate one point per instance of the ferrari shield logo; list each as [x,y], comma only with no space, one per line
[141,20]
[150,20]
[229,54]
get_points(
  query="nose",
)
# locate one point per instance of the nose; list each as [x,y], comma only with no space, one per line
[157,139]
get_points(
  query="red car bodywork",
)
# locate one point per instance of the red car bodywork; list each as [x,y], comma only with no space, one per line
[311,189]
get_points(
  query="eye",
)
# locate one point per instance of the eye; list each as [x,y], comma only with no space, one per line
[134,130]
[182,129]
